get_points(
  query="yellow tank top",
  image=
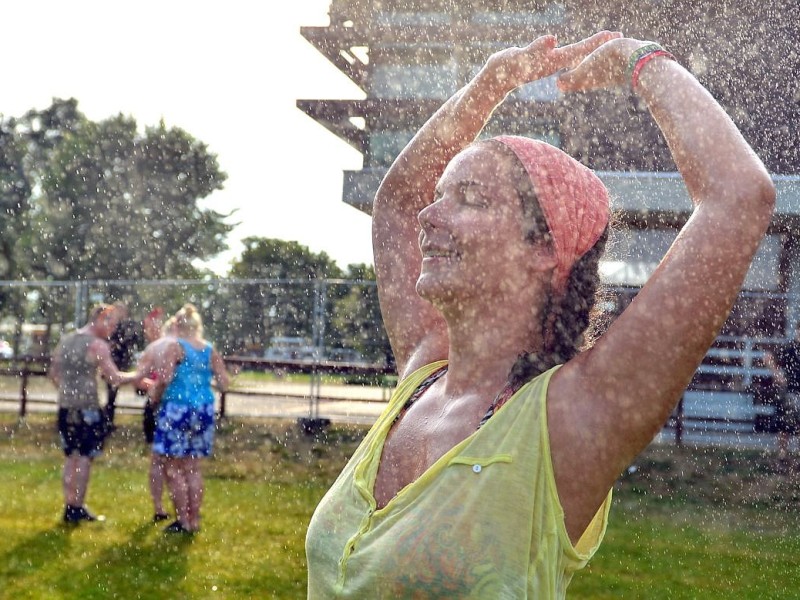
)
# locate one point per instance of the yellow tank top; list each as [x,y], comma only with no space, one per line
[484,521]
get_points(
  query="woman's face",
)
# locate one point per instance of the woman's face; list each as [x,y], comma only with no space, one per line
[472,241]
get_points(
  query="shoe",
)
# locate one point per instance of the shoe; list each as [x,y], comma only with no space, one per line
[85,515]
[176,527]
[72,514]
[160,517]
[76,514]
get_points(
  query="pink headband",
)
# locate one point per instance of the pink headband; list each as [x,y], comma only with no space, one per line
[573,199]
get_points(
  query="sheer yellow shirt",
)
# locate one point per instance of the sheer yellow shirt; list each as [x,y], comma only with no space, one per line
[484,521]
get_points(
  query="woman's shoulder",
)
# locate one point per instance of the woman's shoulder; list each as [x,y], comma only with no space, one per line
[198,345]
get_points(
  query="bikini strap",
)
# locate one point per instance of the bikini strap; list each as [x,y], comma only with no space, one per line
[424,385]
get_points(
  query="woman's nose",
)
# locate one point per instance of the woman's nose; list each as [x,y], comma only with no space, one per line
[432,215]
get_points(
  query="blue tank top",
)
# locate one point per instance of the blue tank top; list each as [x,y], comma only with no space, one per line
[191,383]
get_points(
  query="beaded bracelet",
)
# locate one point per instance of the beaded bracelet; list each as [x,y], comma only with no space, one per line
[639,53]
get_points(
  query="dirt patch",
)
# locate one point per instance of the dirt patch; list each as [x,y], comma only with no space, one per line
[678,480]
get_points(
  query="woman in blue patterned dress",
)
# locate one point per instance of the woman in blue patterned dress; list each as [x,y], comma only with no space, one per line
[185,422]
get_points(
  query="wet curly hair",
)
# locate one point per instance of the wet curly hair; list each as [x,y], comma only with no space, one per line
[572,321]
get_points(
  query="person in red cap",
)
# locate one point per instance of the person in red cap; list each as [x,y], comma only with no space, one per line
[489,474]
[154,331]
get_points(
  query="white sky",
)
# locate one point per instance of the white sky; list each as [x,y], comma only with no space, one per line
[229,73]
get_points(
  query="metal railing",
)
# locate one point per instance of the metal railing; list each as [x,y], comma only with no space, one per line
[733,370]
[27,367]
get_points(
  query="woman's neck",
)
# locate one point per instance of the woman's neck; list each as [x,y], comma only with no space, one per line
[484,347]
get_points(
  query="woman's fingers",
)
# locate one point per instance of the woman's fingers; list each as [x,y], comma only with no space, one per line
[573,54]
[550,58]
[602,68]
[514,67]
[578,79]
[593,42]
[545,42]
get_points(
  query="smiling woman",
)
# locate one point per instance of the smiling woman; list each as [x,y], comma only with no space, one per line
[489,473]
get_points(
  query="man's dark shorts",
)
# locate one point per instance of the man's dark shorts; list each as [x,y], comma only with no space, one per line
[83,431]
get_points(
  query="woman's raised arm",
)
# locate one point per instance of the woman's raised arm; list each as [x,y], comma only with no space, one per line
[623,389]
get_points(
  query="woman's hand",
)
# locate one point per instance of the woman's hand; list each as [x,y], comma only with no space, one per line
[605,67]
[145,384]
[513,67]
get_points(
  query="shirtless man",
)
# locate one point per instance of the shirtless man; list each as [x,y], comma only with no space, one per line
[77,360]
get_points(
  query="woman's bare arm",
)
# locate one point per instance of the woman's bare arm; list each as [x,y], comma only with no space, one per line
[166,354]
[607,404]
[100,351]
[220,371]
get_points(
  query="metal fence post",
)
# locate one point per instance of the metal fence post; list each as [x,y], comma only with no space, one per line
[222,405]
[23,392]
[318,334]
[81,300]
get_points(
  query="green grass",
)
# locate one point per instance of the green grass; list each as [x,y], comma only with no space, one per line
[657,557]
[261,490]
[700,523]
[687,524]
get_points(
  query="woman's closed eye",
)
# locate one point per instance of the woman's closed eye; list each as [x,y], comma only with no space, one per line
[473,194]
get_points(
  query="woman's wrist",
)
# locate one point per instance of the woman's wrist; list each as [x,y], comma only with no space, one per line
[491,85]
[643,59]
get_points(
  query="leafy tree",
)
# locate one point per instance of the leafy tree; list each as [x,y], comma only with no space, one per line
[356,321]
[15,229]
[285,306]
[264,258]
[14,205]
[100,200]
[117,205]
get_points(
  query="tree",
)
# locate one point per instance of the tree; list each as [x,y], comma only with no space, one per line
[85,200]
[15,229]
[300,280]
[14,205]
[109,203]
[356,321]
[285,306]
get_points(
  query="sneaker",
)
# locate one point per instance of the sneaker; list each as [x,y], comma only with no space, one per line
[85,515]
[72,514]
[76,514]
[160,516]
[176,527]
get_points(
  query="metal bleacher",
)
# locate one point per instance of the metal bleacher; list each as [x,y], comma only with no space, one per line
[730,393]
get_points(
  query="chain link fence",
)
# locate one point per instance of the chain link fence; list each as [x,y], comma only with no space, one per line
[324,319]
[334,326]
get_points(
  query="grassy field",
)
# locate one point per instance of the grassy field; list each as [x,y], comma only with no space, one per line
[685,523]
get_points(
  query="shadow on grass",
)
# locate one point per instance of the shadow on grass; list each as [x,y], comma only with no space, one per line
[140,567]
[30,555]
[143,566]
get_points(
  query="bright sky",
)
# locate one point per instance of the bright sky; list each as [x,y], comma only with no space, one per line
[229,73]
